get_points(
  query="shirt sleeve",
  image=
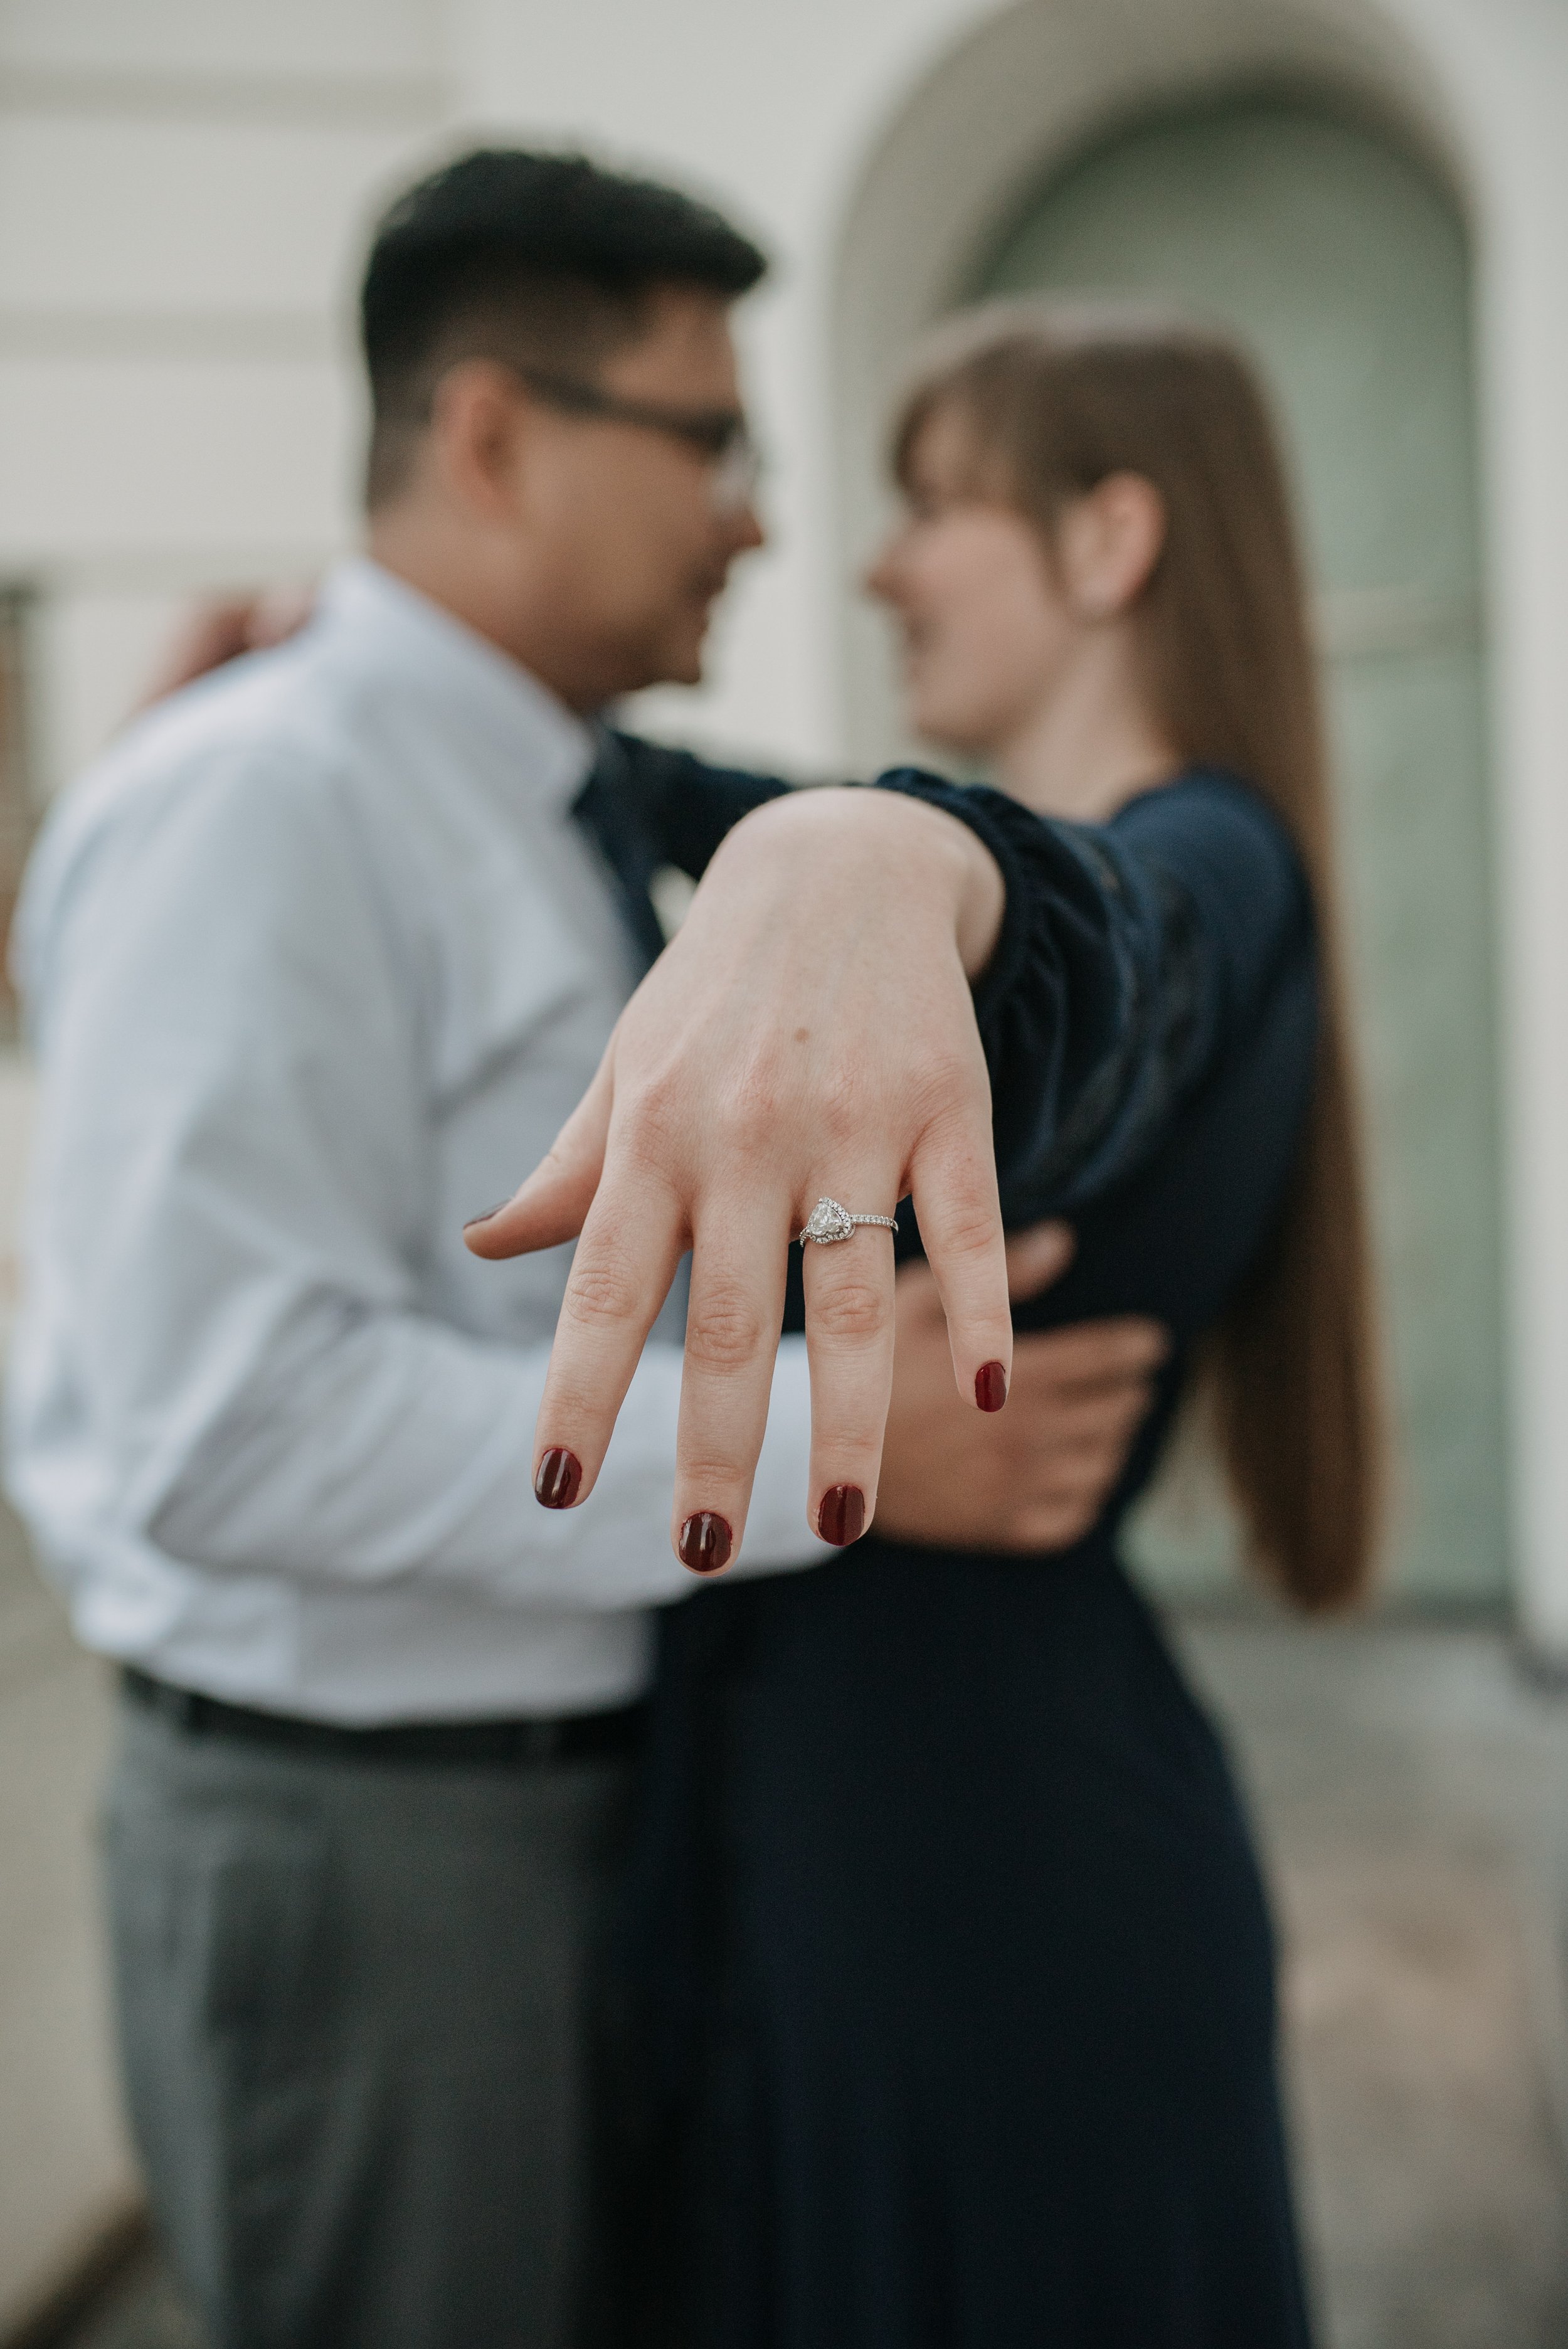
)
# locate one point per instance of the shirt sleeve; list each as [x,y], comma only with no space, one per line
[229,1205]
[1132,957]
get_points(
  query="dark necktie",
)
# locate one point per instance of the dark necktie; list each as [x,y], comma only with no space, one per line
[608,809]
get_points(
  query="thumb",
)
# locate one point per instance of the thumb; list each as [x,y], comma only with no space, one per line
[552,1204]
[1037,1257]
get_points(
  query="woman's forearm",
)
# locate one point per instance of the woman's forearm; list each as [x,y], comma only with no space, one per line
[852,850]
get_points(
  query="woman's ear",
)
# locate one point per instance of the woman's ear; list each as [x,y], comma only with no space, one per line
[1110,542]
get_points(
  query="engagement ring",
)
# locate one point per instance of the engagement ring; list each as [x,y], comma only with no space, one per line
[827,1222]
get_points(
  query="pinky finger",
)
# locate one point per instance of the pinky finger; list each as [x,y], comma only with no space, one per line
[953,1183]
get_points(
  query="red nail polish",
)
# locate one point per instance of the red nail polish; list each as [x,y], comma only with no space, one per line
[842,1516]
[990,1386]
[705,1542]
[558,1479]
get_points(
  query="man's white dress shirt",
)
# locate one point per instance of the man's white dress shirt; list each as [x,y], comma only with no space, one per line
[316,961]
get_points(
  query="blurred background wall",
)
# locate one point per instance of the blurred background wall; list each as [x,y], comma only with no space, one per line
[1370,191]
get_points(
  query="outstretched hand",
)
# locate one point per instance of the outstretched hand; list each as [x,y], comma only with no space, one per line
[809,1032]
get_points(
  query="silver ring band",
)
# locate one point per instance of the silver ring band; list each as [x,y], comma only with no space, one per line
[828,1222]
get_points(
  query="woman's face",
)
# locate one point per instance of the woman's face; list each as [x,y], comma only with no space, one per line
[987,629]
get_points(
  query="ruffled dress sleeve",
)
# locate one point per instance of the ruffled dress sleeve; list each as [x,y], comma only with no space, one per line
[1133,957]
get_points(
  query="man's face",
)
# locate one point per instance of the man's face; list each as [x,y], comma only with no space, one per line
[630,524]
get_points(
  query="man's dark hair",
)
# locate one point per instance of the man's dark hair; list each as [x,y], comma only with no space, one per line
[541,261]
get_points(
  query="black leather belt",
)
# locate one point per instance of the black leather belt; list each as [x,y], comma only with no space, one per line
[559,1737]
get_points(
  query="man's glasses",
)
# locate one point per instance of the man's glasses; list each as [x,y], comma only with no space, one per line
[720,435]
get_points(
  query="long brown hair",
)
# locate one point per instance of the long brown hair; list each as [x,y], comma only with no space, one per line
[1055,399]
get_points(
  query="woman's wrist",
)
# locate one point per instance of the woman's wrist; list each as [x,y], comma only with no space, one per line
[855,840]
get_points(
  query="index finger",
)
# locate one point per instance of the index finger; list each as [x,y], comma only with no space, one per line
[620,1276]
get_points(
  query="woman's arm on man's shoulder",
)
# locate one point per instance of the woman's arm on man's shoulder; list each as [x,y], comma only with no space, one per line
[685,803]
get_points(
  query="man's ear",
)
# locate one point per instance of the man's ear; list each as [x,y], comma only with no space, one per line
[480,427]
[1110,539]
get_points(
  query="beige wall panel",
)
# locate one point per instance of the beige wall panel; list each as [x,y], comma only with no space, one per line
[106,463]
[367,38]
[95,655]
[175,217]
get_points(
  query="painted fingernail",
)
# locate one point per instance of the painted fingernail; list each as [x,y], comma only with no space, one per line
[558,1479]
[841,1518]
[705,1542]
[485,1218]
[990,1386]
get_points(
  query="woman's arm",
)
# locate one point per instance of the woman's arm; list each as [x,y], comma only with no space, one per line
[813,1030]
[1126,955]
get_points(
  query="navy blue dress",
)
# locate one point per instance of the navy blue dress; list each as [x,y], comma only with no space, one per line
[945,2002]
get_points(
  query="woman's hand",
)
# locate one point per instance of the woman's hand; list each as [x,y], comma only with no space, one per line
[809,1032]
[1038,1476]
[213,633]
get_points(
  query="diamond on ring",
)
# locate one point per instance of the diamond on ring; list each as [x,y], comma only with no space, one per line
[828,1221]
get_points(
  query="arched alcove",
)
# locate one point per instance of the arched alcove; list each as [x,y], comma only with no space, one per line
[1032,86]
[1313,204]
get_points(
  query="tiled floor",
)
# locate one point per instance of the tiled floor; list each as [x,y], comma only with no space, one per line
[1412,1792]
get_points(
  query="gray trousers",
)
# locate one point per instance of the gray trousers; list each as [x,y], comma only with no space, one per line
[355,2009]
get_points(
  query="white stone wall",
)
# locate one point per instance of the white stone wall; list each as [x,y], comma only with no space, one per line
[183,187]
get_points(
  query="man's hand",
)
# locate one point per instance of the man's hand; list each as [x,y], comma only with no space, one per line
[1036,1475]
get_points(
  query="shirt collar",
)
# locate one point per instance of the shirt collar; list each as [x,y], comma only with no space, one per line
[542,746]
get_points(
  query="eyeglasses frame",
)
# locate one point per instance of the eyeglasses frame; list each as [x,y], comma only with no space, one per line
[721,435]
